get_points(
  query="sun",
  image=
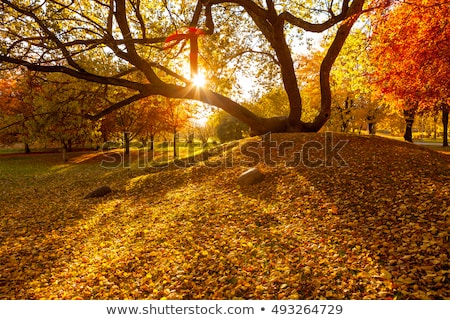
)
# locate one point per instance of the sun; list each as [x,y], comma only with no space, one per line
[199,80]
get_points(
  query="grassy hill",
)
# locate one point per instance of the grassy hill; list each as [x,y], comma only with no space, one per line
[365,218]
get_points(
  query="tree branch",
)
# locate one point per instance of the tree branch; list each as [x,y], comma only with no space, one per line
[75,73]
[132,55]
[116,106]
[67,55]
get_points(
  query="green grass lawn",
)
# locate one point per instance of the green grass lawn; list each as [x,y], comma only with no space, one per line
[376,228]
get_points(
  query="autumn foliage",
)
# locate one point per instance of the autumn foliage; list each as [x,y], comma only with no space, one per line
[410,48]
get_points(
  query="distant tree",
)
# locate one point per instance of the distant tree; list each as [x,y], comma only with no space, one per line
[355,104]
[125,121]
[204,131]
[16,109]
[60,101]
[176,116]
[153,113]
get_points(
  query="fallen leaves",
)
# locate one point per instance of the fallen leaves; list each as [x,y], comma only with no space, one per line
[332,233]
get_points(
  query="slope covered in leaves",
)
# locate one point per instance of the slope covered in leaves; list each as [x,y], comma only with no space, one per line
[375,228]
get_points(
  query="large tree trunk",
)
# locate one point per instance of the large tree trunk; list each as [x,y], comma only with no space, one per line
[445,111]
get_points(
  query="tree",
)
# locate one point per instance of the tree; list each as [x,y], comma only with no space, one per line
[126,121]
[16,109]
[355,104]
[58,101]
[56,37]
[410,48]
[153,115]
[176,116]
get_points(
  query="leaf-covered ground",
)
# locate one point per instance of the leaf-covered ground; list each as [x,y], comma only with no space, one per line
[377,228]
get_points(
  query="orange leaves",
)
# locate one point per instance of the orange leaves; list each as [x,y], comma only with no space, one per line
[410,49]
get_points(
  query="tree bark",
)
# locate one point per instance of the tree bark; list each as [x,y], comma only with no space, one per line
[445,112]
[175,143]
[371,127]
[152,142]
[27,148]
[435,120]
[126,140]
[409,119]
[64,152]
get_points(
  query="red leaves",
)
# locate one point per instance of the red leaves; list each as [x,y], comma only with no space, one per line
[410,49]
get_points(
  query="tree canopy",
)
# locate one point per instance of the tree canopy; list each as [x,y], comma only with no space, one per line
[410,49]
[147,47]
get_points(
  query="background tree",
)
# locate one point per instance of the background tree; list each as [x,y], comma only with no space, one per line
[125,121]
[50,36]
[153,113]
[410,48]
[59,101]
[176,116]
[16,109]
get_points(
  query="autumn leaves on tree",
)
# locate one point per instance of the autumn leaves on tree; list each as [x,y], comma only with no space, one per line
[410,49]
[57,38]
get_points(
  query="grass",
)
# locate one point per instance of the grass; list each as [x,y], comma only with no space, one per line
[375,229]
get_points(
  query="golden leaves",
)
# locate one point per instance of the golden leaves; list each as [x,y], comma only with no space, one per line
[332,233]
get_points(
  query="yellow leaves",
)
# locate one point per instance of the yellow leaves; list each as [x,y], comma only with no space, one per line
[386,274]
[178,235]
